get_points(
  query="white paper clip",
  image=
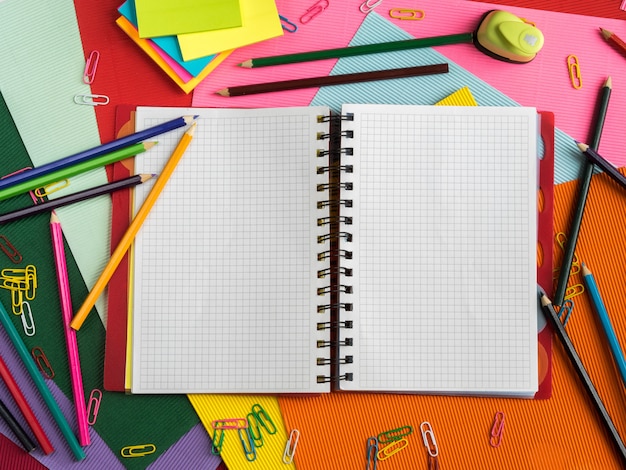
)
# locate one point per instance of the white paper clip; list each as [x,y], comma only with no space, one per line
[91,100]
[28,322]
[290,446]
[368,5]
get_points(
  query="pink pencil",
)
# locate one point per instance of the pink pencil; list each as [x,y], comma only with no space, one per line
[70,334]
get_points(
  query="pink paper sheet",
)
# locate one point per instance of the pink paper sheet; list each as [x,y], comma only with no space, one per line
[543,83]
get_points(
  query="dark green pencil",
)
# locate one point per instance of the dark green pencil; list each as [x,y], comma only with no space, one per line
[359,50]
[583,190]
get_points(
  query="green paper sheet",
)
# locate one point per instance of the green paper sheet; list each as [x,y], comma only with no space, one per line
[167,18]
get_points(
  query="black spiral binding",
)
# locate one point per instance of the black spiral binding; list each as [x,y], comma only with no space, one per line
[337,225]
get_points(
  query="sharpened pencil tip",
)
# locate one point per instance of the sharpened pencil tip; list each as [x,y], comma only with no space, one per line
[190,119]
[582,147]
[608,83]
[223,92]
[54,218]
[247,64]
[149,145]
[545,300]
[192,129]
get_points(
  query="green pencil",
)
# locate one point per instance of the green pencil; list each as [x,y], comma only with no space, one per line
[359,50]
[44,391]
[64,173]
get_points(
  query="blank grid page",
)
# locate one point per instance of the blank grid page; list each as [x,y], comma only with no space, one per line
[444,249]
[225,266]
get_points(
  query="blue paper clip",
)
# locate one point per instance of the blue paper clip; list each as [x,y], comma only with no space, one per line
[566,310]
[372,453]
[287,25]
[247,444]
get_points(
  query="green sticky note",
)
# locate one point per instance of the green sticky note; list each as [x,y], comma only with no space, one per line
[167,18]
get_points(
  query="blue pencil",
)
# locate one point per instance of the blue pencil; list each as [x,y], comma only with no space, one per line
[45,392]
[94,152]
[600,309]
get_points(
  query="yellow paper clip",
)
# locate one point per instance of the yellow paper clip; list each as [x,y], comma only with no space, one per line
[91,100]
[574,291]
[368,5]
[406,14]
[93,406]
[314,10]
[28,322]
[573,66]
[51,188]
[9,250]
[138,450]
[290,446]
[393,448]
[42,362]
[91,65]
[497,430]
[428,436]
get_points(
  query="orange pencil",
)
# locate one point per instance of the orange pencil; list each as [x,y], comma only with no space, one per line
[614,41]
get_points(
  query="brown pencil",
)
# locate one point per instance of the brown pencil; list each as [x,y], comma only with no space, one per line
[614,41]
[315,82]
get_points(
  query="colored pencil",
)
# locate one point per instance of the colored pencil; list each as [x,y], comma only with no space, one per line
[334,80]
[583,190]
[40,383]
[600,308]
[67,172]
[358,50]
[94,152]
[558,327]
[74,198]
[71,343]
[22,404]
[614,40]
[604,164]
[133,228]
[17,429]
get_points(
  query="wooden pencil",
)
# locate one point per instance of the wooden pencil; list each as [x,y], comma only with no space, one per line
[74,198]
[17,429]
[553,319]
[358,50]
[132,230]
[614,40]
[583,190]
[327,80]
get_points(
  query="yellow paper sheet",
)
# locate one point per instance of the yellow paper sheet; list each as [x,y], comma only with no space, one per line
[260,21]
[167,18]
[187,87]
[270,455]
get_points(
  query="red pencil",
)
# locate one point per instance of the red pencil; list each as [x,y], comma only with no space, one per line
[614,40]
[25,408]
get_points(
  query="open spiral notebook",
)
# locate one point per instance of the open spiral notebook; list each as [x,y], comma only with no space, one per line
[391,249]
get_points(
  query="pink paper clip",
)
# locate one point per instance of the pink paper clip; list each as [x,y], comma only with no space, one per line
[623,5]
[91,65]
[497,429]
[93,406]
[230,423]
[314,10]
[32,194]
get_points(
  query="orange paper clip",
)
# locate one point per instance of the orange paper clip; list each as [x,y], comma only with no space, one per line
[573,67]
[406,14]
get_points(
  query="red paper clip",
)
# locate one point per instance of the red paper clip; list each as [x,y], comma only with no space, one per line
[42,362]
[10,250]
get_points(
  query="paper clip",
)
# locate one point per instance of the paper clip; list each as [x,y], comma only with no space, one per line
[263,418]
[622,5]
[394,434]
[497,430]
[573,66]
[287,25]
[42,362]
[428,436]
[574,291]
[290,446]
[371,454]
[247,444]
[93,406]
[10,250]
[368,5]
[51,188]
[255,430]
[406,14]
[217,441]
[28,321]
[230,423]
[566,310]
[314,10]
[138,450]
[90,67]
[91,100]
[393,448]
[32,195]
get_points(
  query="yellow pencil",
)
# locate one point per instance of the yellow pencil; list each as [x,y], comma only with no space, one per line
[132,230]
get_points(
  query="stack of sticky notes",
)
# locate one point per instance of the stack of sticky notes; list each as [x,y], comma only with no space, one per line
[188,39]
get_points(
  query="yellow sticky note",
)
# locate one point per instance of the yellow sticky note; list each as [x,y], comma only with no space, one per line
[260,21]
[229,407]
[187,87]
[461,97]
[168,18]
